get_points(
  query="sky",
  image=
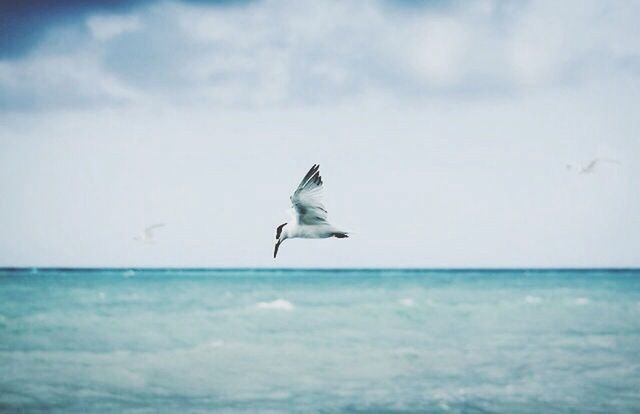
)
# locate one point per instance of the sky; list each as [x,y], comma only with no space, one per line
[443,130]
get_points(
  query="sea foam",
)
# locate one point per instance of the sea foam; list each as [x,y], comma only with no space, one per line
[408,302]
[581,301]
[532,299]
[278,304]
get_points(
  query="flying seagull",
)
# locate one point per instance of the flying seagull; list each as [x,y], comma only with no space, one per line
[590,167]
[147,235]
[309,215]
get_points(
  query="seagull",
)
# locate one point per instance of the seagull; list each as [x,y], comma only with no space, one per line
[147,235]
[590,167]
[309,215]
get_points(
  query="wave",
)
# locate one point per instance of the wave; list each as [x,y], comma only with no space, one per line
[278,304]
[408,302]
[581,301]
[532,299]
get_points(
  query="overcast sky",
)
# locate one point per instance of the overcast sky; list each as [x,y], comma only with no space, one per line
[443,130]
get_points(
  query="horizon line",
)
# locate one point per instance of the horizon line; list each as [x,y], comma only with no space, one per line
[324,269]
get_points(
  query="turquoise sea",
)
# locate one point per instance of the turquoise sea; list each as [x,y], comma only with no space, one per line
[325,341]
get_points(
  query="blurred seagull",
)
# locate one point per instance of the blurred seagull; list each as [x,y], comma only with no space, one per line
[309,215]
[590,167]
[147,235]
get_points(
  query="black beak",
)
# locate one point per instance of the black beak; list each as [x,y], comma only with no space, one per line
[275,251]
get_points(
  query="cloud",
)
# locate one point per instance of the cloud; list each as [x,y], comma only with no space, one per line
[108,27]
[26,22]
[313,53]
[59,82]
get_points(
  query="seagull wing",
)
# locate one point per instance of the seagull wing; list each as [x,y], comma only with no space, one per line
[307,199]
[590,166]
[148,232]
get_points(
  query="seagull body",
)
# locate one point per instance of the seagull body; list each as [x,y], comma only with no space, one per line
[147,235]
[309,215]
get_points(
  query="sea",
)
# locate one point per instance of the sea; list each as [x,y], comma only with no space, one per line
[319,341]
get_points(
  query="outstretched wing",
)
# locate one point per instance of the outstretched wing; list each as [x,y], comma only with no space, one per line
[591,165]
[307,199]
[151,229]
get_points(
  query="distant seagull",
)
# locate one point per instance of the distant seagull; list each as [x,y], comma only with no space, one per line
[310,216]
[590,167]
[147,235]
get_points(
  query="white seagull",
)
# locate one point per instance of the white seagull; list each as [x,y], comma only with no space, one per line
[590,167]
[310,216]
[147,235]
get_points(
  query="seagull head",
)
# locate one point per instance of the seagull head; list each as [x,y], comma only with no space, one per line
[280,237]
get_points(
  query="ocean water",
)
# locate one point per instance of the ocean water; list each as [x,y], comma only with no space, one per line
[360,341]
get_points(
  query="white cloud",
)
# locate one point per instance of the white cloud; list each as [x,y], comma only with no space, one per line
[572,42]
[55,81]
[108,27]
[284,53]
[437,50]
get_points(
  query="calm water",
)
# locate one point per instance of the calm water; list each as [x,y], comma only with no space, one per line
[320,341]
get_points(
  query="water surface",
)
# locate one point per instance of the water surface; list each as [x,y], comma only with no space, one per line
[320,341]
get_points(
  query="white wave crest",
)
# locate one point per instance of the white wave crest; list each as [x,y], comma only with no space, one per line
[581,301]
[278,304]
[532,299]
[408,302]
[214,344]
